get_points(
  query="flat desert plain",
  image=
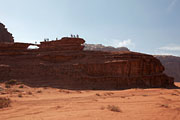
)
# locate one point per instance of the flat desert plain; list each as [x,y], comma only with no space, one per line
[58,104]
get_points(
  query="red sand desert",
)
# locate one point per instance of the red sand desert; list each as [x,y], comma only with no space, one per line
[60,104]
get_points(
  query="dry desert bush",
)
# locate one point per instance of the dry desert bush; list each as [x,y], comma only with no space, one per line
[114,108]
[4,102]
[21,86]
[97,94]
[39,91]
[165,105]
[20,95]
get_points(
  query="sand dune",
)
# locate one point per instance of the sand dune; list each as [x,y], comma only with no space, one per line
[57,104]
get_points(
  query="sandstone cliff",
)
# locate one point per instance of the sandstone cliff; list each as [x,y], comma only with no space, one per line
[5,36]
[172,66]
[171,63]
[64,64]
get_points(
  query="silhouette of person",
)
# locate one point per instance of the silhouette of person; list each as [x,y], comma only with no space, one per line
[77,36]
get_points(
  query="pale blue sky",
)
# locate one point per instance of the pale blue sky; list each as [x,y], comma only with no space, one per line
[148,26]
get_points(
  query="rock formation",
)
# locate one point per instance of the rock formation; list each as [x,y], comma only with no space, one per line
[63,45]
[14,46]
[172,66]
[171,63]
[5,36]
[100,47]
[64,64]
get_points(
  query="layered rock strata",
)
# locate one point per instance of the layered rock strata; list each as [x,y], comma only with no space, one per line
[14,46]
[63,45]
[60,64]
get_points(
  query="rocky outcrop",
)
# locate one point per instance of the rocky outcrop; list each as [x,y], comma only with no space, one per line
[65,67]
[14,46]
[100,47]
[171,63]
[65,44]
[172,66]
[5,36]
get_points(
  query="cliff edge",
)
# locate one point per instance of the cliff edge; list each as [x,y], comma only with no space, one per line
[5,36]
[64,64]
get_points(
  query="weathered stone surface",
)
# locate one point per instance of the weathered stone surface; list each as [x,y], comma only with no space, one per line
[5,36]
[80,69]
[13,46]
[65,44]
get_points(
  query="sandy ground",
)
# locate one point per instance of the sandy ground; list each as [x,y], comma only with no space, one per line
[57,104]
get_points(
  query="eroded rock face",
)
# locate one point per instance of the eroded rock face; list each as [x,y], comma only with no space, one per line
[14,46]
[5,36]
[77,69]
[65,44]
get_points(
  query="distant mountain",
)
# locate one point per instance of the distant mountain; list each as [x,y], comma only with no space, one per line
[172,65]
[100,47]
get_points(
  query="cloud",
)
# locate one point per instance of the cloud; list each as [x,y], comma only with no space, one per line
[164,53]
[171,47]
[171,5]
[126,43]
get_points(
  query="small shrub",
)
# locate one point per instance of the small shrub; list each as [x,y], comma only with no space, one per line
[17,91]
[30,93]
[123,97]
[21,86]
[4,102]
[11,82]
[1,89]
[7,86]
[114,108]
[97,94]
[165,106]
[20,95]
[174,94]
[39,91]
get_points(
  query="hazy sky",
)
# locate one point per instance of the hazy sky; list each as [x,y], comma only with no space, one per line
[148,26]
